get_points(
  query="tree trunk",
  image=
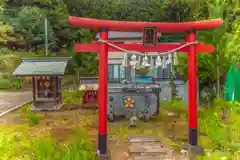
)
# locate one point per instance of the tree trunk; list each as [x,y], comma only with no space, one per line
[78,74]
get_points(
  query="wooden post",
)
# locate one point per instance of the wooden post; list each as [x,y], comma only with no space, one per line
[60,89]
[158,102]
[34,89]
[192,89]
[103,89]
[55,90]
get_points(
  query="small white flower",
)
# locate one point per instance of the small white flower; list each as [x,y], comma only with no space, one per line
[208,154]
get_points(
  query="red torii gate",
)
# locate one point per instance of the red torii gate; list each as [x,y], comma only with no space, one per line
[103,26]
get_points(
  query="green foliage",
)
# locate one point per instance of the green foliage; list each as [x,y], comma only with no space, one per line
[220,124]
[8,63]
[17,84]
[30,22]
[205,71]
[72,97]
[177,12]
[5,29]
[43,149]
[33,118]
[29,115]
[58,17]
[217,155]
[25,109]
[176,105]
[17,145]
[40,3]
[233,46]
[79,147]
[85,64]
[212,68]
[173,86]
[117,10]
[10,148]
[5,83]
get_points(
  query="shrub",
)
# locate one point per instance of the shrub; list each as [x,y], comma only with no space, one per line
[72,97]
[5,83]
[4,51]
[33,119]
[221,124]
[17,84]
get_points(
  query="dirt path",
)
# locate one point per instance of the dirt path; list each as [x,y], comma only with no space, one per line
[142,148]
[12,99]
[148,148]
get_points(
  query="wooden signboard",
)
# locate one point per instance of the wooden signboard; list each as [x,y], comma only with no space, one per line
[45,87]
[150,36]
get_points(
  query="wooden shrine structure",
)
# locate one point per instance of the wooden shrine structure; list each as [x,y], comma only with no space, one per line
[46,80]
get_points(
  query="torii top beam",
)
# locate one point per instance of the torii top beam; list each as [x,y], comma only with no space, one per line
[126,26]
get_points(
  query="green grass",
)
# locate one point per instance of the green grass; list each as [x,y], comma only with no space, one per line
[222,138]
[20,142]
[77,148]
[27,113]
[16,145]
[72,97]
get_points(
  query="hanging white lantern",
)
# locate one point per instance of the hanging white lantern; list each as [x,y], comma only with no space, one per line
[134,57]
[125,60]
[158,62]
[151,64]
[169,61]
[139,62]
[145,58]
[145,61]
[164,65]
[133,61]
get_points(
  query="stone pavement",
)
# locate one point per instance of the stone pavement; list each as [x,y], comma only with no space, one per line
[148,148]
[12,99]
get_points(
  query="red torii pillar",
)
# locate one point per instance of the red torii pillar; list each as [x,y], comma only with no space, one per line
[103,26]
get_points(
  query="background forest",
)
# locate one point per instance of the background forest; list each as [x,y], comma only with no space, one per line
[22,30]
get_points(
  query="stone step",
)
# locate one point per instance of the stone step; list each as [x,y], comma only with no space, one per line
[149,148]
[155,149]
[142,139]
